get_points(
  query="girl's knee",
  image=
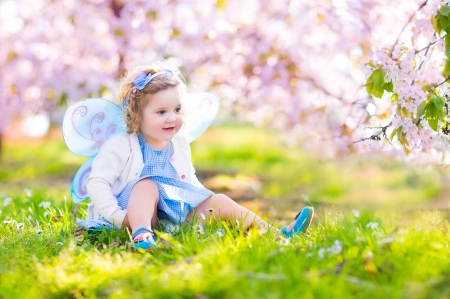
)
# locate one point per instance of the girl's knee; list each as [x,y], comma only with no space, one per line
[221,199]
[146,184]
[145,189]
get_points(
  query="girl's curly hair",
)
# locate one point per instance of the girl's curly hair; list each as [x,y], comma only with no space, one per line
[132,113]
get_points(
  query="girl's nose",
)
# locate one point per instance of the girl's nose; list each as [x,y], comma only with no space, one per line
[171,117]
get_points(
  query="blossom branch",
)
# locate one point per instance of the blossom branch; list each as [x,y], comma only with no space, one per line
[376,136]
[407,23]
[446,80]
[428,46]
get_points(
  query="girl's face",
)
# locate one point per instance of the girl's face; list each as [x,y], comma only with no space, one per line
[161,118]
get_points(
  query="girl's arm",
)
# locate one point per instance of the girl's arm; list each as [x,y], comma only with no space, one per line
[106,170]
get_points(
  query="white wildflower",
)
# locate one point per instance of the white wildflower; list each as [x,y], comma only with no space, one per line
[30,210]
[148,236]
[284,242]
[220,232]
[355,213]
[262,231]
[377,234]
[386,240]
[20,225]
[59,243]
[46,214]
[372,225]
[45,204]
[7,222]
[304,197]
[29,218]
[321,252]
[7,201]
[27,192]
[202,216]
[359,240]
[199,229]
[336,248]
[38,231]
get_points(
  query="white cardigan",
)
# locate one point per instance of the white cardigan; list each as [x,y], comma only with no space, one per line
[120,161]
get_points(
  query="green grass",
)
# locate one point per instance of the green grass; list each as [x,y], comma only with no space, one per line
[389,249]
[342,256]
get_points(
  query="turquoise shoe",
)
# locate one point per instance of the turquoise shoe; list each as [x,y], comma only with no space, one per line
[144,241]
[302,222]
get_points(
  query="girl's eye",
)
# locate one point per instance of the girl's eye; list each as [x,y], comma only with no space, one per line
[161,112]
[177,109]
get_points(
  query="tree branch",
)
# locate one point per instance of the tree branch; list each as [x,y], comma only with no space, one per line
[409,21]
[430,44]
[446,80]
[376,136]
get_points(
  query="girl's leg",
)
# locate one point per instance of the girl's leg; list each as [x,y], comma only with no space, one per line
[224,207]
[142,206]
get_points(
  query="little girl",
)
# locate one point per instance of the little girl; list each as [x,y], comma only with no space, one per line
[147,173]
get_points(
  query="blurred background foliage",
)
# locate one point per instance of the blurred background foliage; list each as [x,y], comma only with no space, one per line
[253,166]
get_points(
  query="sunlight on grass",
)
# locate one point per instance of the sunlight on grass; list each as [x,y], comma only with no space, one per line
[359,254]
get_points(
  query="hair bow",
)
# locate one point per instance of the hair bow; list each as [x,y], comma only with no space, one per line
[143,79]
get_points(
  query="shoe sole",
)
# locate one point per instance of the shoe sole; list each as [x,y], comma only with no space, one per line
[308,222]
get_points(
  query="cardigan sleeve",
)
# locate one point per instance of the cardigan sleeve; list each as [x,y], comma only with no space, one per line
[106,168]
[194,179]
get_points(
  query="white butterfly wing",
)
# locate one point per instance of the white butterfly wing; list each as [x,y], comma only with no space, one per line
[86,126]
[200,109]
[79,192]
[89,123]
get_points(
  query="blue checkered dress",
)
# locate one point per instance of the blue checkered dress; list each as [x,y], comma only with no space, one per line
[176,197]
